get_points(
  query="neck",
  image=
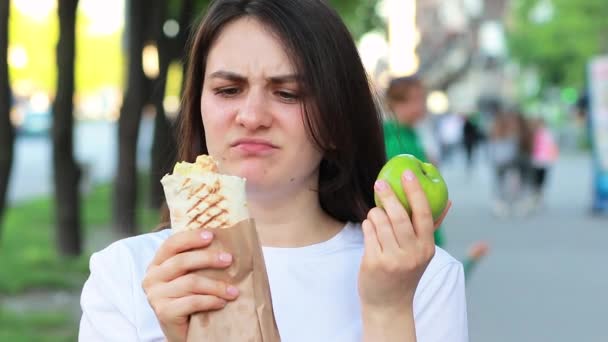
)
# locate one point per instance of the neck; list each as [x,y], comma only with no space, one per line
[406,123]
[292,219]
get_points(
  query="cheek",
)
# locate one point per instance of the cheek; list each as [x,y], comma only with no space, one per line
[216,120]
[304,145]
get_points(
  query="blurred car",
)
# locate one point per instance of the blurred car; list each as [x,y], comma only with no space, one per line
[34,116]
[35,123]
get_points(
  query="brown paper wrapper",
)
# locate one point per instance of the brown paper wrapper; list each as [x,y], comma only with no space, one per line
[249,318]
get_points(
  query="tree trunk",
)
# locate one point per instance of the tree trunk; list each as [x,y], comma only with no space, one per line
[187,18]
[125,185]
[163,144]
[7,132]
[66,172]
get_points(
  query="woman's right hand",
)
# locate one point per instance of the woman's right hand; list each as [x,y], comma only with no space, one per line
[175,291]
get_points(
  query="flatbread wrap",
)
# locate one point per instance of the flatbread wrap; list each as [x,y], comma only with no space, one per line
[198,196]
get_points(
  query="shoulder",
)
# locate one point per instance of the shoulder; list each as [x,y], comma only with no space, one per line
[444,274]
[112,295]
[440,309]
[141,243]
[129,256]
[138,248]
[441,263]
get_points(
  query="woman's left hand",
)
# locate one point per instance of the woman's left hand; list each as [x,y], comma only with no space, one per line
[397,248]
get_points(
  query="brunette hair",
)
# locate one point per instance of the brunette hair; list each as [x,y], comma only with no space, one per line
[399,88]
[341,114]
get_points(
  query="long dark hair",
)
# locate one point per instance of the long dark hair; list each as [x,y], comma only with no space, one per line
[341,115]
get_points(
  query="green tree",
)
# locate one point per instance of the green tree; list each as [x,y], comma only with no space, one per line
[171,50]
[135,97]
[359,15]
[557,37]
[145,22]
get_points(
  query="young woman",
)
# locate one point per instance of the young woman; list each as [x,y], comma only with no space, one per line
[276,92]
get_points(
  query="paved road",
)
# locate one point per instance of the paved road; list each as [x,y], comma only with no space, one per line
[546,278]
[96,145]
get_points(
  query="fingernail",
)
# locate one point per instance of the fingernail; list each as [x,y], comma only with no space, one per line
[233,291]
[408,175]
[225,257]
[380,185]
[206,235]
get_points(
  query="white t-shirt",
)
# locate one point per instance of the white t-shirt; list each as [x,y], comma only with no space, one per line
[314,292]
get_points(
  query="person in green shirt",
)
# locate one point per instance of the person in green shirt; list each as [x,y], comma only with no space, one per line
[406,100]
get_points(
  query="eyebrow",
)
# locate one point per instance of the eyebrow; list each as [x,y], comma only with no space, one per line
[232,76]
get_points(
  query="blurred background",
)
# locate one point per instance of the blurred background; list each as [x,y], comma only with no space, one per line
[517,102]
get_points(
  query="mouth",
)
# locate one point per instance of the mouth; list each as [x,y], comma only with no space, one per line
[254,145]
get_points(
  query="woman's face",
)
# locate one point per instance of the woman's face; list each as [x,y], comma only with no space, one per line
[252,112]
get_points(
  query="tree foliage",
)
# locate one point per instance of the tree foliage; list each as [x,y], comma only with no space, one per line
[560,41]
[359,15]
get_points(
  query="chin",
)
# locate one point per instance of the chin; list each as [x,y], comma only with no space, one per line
[252,170]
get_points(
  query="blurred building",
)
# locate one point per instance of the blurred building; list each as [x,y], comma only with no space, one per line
[463,49]
[459,47]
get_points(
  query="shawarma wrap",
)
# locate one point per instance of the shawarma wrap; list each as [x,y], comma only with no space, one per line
[198,196]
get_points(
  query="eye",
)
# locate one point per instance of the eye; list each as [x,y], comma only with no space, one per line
[287,96]
[227,91]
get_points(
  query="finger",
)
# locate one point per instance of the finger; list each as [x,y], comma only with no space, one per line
[443,215]
[186,262]
[384,229]
[194,284]
[186,306]
[181,242]
[422,217]
[370,239]
[397,215]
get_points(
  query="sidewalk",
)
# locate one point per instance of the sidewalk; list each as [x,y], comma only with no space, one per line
[95,144]
[545,278]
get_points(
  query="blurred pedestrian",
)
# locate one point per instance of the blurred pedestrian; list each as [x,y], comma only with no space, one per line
[503,149]
[471,138]
[406,100]
[525,137]
[450,135]
[544,154]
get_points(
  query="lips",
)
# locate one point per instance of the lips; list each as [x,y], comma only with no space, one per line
[253,145]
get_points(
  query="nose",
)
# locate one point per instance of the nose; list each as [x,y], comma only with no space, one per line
[254,113]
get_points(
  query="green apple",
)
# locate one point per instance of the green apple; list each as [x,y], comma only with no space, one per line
[427,174]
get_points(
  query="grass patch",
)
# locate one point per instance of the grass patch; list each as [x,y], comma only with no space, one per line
[37,326]
[29,260]
[28,256]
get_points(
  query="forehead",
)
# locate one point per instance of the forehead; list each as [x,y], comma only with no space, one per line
[248,46]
